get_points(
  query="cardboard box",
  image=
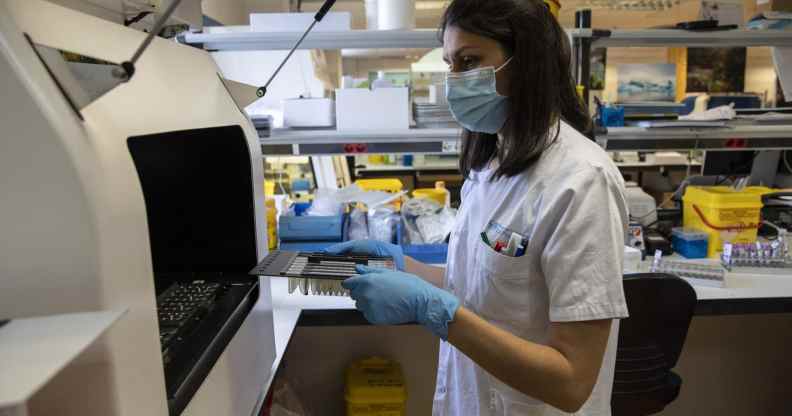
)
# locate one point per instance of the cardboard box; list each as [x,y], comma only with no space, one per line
[379,109]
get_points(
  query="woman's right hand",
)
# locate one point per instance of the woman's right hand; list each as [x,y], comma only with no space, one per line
[371,248]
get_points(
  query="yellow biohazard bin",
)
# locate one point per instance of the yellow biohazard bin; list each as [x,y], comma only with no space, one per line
[725,214]
[375,387]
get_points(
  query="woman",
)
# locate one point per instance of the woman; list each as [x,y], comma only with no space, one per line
[532,289]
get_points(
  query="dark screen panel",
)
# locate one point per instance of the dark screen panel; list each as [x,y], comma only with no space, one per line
[728,163]
[198,189]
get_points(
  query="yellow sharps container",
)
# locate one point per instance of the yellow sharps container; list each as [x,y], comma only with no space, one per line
[375,387]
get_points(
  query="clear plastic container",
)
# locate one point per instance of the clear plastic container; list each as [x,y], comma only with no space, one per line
[690,242]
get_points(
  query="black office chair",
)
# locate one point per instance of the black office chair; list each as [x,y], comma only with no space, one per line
[650,341]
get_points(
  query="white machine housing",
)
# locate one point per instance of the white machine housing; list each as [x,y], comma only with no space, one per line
[73,218]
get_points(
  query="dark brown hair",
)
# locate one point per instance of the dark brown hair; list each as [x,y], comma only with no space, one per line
[541,89]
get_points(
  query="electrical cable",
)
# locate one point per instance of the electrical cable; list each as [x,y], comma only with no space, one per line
[786,161]
[140,16]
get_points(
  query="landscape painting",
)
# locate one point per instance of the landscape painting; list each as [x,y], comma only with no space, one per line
[598,62]
[647,82]
[716,69]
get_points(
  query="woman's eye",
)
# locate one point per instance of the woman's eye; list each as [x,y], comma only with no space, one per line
[468,63]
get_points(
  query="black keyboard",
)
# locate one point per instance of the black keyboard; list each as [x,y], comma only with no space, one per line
[183,306]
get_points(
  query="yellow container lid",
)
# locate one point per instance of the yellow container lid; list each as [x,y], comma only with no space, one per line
[435,194]
[725,196]
[383,184]
[375,381]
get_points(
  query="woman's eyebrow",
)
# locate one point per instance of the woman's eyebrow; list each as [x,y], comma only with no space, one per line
[458,52]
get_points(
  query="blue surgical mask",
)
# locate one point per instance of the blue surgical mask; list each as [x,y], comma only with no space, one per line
[474,100]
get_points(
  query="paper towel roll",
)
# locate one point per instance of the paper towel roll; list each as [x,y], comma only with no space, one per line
[395,14]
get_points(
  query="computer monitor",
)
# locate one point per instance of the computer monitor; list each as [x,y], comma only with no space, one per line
[198,189]
[728,163]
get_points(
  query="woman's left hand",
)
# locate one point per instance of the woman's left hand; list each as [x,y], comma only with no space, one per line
[389,297]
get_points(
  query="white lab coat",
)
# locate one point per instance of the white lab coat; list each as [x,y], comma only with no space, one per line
[571,207]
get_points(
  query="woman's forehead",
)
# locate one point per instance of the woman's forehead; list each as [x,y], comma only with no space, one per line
[456,40]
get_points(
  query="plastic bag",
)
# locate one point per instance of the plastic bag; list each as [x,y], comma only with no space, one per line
[358,225]
[426,221]
[325,203]
[382,222]
[435,228]
[372,199]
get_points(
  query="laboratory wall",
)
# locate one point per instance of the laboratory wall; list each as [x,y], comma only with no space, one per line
[760,76]
[104,9]
[734,366]
[255,67]
[227,12]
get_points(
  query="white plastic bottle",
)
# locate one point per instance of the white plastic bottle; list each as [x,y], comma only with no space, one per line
[642,206]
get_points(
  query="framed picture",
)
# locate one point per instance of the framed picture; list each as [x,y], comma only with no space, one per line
[716,69]
[598,63]
[647,82]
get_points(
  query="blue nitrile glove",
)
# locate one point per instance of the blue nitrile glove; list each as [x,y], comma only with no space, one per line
[370,247]
[388,297]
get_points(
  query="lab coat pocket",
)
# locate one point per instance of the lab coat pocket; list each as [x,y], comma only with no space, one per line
[500,266]
[501,287]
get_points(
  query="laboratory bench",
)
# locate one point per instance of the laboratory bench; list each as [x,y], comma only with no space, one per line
[734,361]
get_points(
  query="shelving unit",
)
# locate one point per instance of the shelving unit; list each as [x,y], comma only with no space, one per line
[331,142]
[730,138]
[289,142]
[673,37]
[739,137]
[243,39]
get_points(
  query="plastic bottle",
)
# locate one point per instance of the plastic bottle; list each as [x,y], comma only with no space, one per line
[643,208]
[441,186]
[272,223]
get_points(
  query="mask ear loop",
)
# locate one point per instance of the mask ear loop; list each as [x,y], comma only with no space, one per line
[508,61]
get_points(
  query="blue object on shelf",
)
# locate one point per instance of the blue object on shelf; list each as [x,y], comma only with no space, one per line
[740,101]
[690,104]
[300,208]
[299,185]
[425,253]
[612,116]
[408,160]
[311,228]
[690,242]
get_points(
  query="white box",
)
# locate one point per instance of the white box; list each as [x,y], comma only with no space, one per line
[632,260]
[308,112]
[298,22]
[380,109]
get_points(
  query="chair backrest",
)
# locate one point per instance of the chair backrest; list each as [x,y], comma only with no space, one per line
[651,339]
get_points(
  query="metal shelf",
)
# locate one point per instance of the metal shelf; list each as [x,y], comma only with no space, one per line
[728,138]
[287,142]
[673,37]
[241,40]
